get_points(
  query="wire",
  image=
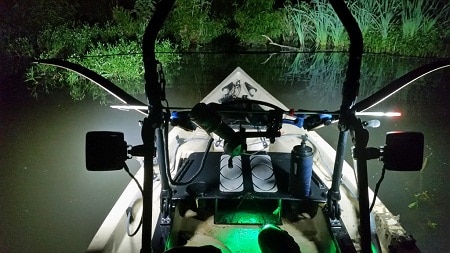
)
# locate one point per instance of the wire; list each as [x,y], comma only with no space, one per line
[129,220]
[202,165]
[377,188]
[125,167]
[129,210]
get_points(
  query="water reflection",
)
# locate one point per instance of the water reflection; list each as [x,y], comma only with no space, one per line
[49,197]
[303,75]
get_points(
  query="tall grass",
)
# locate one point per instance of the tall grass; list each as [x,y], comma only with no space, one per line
[364,15]
[319,16]
[317,23]
[384,13]
[338,35]
[408,27]
[417,15]
[297,15]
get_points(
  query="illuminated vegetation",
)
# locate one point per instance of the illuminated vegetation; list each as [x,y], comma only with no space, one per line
[416,27]
[52,29]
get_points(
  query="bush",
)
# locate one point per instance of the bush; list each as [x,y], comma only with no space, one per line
[255,18]
[191,23]
[120,63]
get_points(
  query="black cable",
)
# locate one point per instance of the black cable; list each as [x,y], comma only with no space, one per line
[129,220]
[377,187]
[202,164]
[125,167]
[129,210]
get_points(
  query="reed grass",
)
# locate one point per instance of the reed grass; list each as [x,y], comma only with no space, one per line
[297,15]
[337,34]
[317,24]
[417,15]
[406,27]
[384,13]
[319,17]
[364,15]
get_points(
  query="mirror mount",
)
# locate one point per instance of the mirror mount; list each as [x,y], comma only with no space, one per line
[403,151]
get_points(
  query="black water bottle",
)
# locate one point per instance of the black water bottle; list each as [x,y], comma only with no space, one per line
[301,170]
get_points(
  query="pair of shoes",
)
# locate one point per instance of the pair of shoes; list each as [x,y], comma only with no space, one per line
[272,239]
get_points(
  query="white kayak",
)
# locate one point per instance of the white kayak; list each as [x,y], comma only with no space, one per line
[224,201]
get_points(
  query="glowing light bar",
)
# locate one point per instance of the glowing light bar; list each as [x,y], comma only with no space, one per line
[376,114]
[380,114]
[129,107]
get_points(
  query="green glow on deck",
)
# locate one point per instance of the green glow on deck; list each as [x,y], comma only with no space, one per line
[241,239]
[374,249]
[248,211]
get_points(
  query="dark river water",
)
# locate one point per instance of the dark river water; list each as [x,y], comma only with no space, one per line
[50,203]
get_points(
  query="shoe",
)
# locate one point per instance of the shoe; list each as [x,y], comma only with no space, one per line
[272,239]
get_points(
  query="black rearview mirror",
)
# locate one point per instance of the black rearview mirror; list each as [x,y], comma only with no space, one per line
[105,151]
[403,151]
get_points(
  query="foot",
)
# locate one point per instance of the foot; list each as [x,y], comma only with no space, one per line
[272,239]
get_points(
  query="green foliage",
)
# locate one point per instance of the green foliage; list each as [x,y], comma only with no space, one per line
[127,26]
[74,40]
[384,14]
[319,16]
[297,17]
[126,71]
[415,27]
[66,40]
[400,27]
[112,49]
[431,224]
[256,18]
[417,15]
[338,37]
[191,23]
[120,63]
[21,22]
[144,9]
[317,24]
[363,11]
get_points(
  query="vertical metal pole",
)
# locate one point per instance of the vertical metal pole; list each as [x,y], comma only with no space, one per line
[334,193]
[153,91]
[148,137]
[347,119]
[360,139]
[160,148]
[364,214]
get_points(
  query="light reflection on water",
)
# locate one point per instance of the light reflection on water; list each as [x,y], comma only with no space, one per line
[50,203]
